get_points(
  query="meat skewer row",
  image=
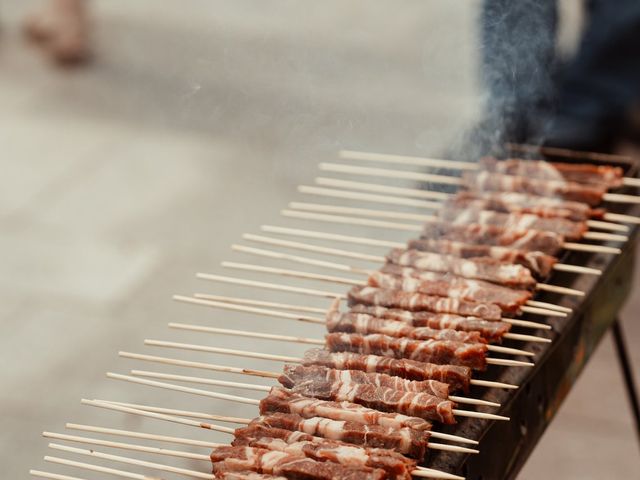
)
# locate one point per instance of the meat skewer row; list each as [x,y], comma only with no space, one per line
[279,439]
[286,401]
[432,387]
[461,216]
[413,405]
[457,377]
[397,465]
[412,292]
[320,293]
[539,263]
[485,180]
[491,332]
[580,173]
[521,236]
[426,272]
[435,326]
[443,352]
[414,197]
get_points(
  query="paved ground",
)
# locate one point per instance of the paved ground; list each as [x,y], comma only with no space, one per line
[194,125]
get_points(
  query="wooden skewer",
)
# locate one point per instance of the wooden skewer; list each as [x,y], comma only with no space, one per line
[152,412]
[276,358]
[127,446]
[94,468]
[132,461]
[367,212]
[53,476]
[470,166]
[141,435]
[352,282]
[411,227]
[423,470]
[259,303]
[284,306]
[421,193]
[369,197]
[271,286]
[362,256]
[381,188]
[310,341]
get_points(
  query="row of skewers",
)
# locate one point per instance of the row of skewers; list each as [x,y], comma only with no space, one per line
[372,395]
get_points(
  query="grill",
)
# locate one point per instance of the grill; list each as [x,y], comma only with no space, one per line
[542,388]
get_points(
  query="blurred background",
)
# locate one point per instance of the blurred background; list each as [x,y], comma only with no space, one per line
[192,124]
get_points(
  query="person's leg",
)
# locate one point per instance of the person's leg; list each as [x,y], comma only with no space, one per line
[61,28]
[602,83]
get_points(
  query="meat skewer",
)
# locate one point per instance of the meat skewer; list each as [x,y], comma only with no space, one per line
[610,176]
[443,352]
[288,435]
[496,182]
[461,216]
[488,329]
[320,293]
[540,263]
[557,241]
[458,378]
[459,299]
[414,197]
[432,387]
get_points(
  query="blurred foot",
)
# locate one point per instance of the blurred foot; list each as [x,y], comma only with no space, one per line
[61,29]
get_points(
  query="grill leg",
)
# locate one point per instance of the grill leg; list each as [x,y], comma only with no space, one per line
[625,364]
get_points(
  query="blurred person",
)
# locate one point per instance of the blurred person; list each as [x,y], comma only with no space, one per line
[61,29]
[533,96]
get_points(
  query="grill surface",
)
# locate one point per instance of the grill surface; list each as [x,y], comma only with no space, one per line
[505,446]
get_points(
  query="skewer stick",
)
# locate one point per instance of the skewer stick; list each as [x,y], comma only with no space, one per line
[179,388]
[242,308]
[373,258]
[132,461]
[416,228]
[526,338]
[127,446]
[381,188]
[95,468]
[613,227]
[53,476]
[141,435]
[550,306]
[277,358]
[310,341]
[366,212]
[331,236]
[407,160]
[349,281]
[270,286]
[209,381]
[421,193]
[259,303]
[368,197]
[168,414]
[388,173]
[557,289]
